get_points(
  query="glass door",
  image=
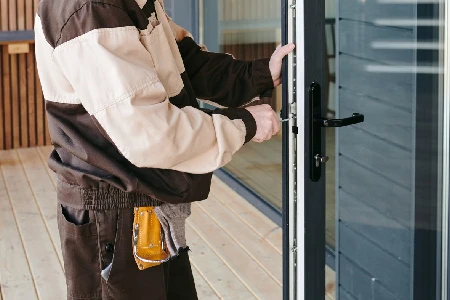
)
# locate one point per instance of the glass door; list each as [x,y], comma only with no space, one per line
[364,98]
[249,30]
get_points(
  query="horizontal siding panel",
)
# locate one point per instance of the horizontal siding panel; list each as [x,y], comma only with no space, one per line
[356,284]
[354,75]
[343,295]
[375,226]
[386,269]
[372,10]
[357,39]
[374,190]
[376,154]
[381,118]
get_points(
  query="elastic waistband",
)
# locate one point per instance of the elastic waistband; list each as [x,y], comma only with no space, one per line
[103,198]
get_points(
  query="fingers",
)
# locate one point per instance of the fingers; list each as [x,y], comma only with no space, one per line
[281,52]
[275,124]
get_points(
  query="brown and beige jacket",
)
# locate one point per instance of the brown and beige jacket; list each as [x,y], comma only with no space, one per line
[121,83]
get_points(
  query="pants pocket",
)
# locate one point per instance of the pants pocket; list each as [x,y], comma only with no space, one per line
[80,253]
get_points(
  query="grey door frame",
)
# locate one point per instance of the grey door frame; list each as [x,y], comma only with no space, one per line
[304,244]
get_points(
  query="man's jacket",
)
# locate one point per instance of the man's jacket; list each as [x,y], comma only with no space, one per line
[121,83]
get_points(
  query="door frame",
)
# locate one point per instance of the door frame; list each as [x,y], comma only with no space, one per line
[304,200]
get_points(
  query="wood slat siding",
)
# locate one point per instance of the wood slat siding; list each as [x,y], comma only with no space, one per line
[375,162]
[357,38]
[395,125]
[375,190]
[357,284]
[22,113]
[392,236]
[379,264]
[371,10]
[388,87]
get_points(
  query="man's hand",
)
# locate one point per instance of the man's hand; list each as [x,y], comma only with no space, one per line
[267,122]
[276,61]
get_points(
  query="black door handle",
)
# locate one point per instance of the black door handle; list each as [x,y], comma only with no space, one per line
[315,135]
[354,119]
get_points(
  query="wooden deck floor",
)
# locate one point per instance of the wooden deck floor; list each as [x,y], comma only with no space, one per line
[236,250]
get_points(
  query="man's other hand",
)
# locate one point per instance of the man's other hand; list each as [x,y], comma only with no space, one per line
[267,122]
[276,62]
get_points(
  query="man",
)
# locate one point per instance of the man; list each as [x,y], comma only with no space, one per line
[121,83]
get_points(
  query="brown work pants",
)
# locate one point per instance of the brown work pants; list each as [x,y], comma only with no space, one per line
[96,241]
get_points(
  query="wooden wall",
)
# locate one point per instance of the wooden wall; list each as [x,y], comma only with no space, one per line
[376,160]
[22,113]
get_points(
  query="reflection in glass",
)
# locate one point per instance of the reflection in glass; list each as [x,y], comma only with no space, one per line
[250,30]
[388,68]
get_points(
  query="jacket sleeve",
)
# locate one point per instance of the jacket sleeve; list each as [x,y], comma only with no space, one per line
[115,78]
[221,79]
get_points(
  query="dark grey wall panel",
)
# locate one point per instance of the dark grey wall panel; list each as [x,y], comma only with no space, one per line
[386,159]
[376,191]
[357,284]
[343,295]
[389,271]
[391,87]
[357,39]
[381,118]
[371,10]
[382,230]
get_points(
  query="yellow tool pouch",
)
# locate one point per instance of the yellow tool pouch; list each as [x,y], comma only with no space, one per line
[148,239]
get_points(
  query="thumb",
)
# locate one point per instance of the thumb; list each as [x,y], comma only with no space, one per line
[283,51]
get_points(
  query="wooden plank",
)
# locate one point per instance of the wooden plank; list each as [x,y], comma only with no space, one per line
[219,275]
[15,101]
[256,247]
[330,283]
[343,295]
[376,191]
[46,269]
[372,10]
[351,65]
[2,101]
[31,99]
[16,281]
[256,178]
[29,15]
[387,233]
[6,77]
[12,15]
[367,34]
[204,290]
[244,266]
[395,125]
[355,283]
[378,155]
[44,192]
[23,104]
[36,5]
[44,154]
[267,152]
[20,14]
[4,24]
[392,88]
[387,269]
[40,113]
[247,213]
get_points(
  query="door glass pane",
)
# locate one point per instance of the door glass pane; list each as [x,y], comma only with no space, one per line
[250,30]
[383,177]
